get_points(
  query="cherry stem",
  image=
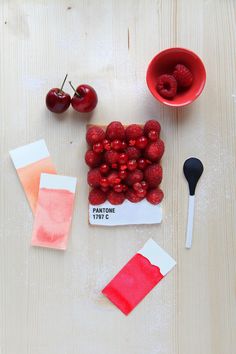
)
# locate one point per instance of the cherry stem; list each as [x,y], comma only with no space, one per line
[64,82]
[77,93]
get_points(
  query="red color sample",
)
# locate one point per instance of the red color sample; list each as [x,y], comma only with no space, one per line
[135,280]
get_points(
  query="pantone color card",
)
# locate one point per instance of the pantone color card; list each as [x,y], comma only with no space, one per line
[54,211]
[127,213]
[138,277]
[30,161]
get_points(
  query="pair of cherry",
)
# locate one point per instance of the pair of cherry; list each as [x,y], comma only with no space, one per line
[84,99]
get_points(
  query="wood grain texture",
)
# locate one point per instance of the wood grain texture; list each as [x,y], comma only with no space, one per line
[51,302]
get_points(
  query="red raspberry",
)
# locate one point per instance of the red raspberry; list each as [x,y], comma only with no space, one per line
[96,197]
[116,198]
[113,178]
[105,189]
[122,174]
[106,144]
[142,164]
[183,76]
[95,135]
[167,86]
[155,196]
[92,159]
[133,132]
[115,130]
[141,193]
[132,196]
[153,135]
[111,157]
[153,175]
[133,177]
[151,125]
[154,151]
[94,177]
[133,153]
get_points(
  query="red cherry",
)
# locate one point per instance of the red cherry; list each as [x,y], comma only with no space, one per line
[98,148]
[104,168]
[104,182]
[141,142]
[142,164]
[58,101]
[123,145]
[132,142]
[116,144]
[122,174]
[141,193]
[118,188]
[85,98]
[153,135]
[123,159]
[106,144]
[132,165]
[144,185]
[137,186]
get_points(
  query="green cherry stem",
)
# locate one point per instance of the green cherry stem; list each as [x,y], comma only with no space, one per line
[77,93]
[63,82]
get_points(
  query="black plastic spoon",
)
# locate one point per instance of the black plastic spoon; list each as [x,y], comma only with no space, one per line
[193,169]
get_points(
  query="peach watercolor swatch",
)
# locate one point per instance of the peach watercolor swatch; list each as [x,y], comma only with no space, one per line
[54,211]
[30,161]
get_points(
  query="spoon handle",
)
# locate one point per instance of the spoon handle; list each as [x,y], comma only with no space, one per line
[190,221]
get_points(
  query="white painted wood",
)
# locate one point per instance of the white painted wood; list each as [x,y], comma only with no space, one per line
[50,303]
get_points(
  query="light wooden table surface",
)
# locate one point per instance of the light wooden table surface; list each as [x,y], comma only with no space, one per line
[51,302]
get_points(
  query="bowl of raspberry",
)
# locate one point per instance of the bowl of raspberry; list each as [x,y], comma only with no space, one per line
[176,77]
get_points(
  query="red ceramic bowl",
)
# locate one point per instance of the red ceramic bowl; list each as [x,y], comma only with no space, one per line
[164,63]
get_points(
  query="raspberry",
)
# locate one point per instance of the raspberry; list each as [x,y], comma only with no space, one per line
[154,151]
[96,197]
[155,196]
[167,86]
[151,125]
[183,76]
[118,188]
[115,130]
[113,178]
[94,177]
[133,177]
[111,157]
[116,198]
[92,159]
[132,196]
[95,135]
[133,153]
[153,175]
[133,131]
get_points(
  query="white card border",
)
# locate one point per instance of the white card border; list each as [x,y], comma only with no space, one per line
[51,181]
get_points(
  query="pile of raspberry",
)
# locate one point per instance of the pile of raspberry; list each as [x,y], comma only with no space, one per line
[180,79]
[124,163]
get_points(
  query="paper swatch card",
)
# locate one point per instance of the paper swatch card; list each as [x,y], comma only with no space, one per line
[138,277]
[30,161]
[127,213]
[54,211]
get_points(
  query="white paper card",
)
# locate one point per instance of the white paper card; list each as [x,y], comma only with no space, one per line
[127,213]
[30,153]
[50,181]
[157,256]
